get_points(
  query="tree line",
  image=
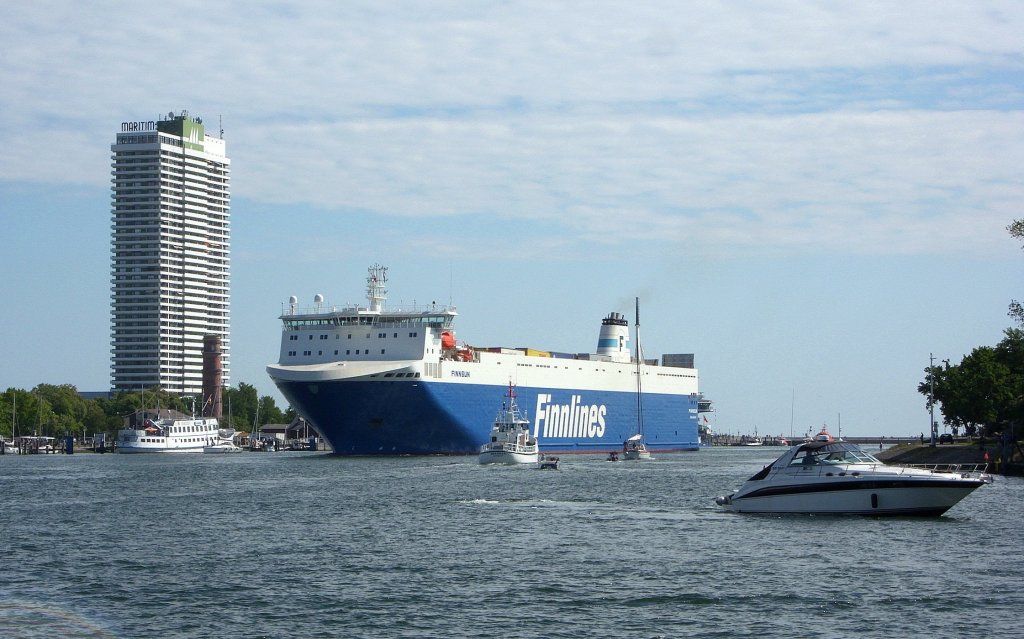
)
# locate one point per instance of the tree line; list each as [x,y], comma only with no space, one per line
[58,410]
[984,393]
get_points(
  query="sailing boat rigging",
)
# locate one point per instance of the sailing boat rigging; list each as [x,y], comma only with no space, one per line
[635,447]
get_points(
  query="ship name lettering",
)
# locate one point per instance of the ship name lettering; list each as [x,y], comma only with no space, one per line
[574,419]
[460,373]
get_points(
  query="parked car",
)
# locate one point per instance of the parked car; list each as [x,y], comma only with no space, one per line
[945,438]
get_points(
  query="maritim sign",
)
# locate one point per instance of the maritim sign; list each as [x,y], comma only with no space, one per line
[132,127]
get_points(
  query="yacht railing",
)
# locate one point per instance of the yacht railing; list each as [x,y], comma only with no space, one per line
[951,468]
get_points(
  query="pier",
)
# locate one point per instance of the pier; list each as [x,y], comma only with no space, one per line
[767,440]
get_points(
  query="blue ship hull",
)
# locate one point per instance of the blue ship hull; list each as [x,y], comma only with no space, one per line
[417,417]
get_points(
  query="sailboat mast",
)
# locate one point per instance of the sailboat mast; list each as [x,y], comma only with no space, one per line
[639,389]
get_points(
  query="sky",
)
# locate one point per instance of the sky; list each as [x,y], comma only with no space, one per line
[811,197]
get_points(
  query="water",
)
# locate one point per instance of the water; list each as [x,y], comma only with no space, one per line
[307,545]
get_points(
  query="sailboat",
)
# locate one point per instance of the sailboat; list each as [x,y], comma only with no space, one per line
[6,447]
[634,447]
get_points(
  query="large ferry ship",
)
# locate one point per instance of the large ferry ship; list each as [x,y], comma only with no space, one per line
[397,382]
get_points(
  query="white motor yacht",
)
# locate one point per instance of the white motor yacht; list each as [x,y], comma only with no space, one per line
[510,441]
[827,476]
[225,443]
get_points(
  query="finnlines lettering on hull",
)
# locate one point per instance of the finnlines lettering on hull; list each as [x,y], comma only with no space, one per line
[375,381]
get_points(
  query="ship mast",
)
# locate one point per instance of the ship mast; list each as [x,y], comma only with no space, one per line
[639,390]
[376,278]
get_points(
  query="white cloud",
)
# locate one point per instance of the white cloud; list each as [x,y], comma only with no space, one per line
[863,127]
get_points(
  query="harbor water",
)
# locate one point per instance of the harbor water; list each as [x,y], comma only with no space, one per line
[310,545]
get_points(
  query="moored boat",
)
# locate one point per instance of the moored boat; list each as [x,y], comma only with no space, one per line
[510,442]
[169,434]
[225,443]
[826,476]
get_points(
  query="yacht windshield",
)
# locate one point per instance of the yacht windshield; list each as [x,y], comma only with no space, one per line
[833,453]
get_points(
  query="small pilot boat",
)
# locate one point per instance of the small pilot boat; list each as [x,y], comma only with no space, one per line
[510,441]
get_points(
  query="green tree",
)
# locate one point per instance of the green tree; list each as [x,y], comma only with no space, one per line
[1016,230]
[985,389]
[7,413]
[240,403]
[66,407]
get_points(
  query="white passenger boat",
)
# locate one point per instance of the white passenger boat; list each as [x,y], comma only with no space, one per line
[510,441]
[169,435]
[826,476]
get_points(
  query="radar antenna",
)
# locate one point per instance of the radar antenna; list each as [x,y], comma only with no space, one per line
[376,278]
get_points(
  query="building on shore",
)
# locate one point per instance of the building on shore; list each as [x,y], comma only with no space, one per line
[170,262]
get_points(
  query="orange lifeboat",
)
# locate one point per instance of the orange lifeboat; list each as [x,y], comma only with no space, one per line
[447,340]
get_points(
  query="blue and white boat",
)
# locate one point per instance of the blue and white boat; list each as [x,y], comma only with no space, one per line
[376,381]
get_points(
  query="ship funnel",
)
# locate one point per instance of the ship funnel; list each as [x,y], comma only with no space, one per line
[213,377]
[613,341]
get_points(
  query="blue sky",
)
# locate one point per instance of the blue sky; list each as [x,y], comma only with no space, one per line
[811,197]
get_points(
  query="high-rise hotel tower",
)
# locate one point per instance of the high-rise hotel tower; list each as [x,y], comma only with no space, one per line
[170,270]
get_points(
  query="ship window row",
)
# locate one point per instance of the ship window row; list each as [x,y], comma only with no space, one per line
[309,353]
[399,375]
[338,336]
[161,440]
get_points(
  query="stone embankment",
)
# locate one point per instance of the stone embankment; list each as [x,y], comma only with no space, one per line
[960,453]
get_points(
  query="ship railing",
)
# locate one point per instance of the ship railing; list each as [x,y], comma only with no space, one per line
[363,311]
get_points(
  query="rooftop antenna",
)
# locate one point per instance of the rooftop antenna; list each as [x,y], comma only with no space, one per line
[376,279]
[220,121]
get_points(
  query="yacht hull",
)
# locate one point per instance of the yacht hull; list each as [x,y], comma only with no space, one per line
[869,497]
[508,457]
